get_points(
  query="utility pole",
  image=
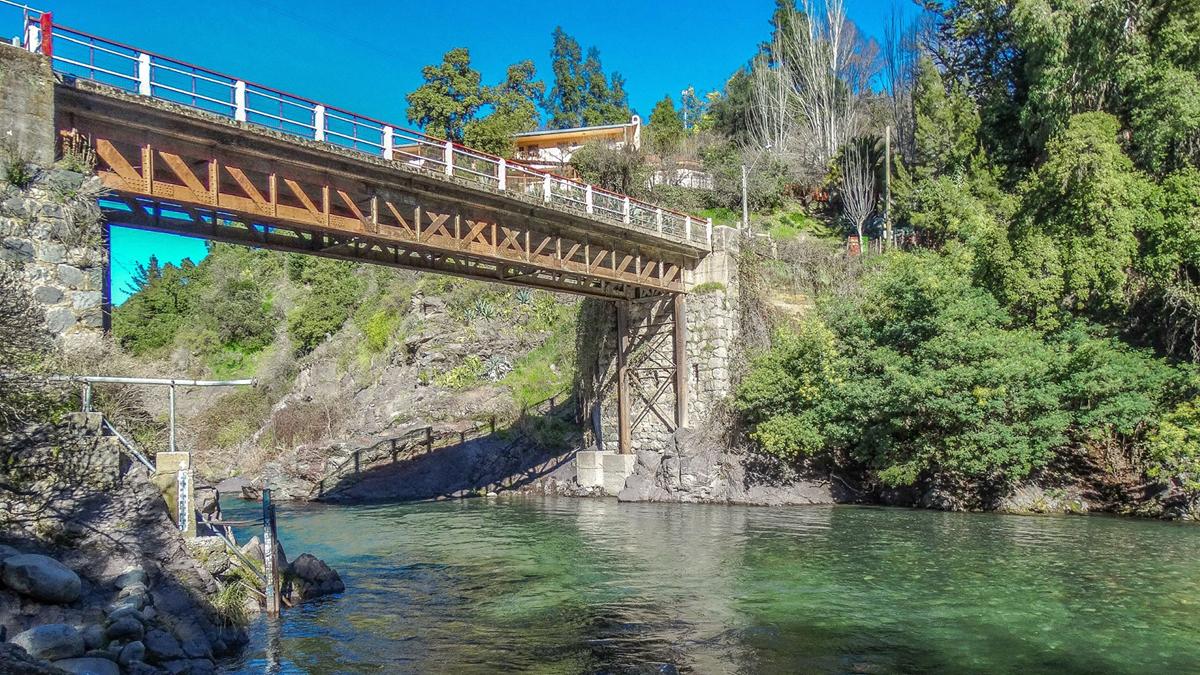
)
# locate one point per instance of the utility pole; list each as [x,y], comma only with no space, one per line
[887,183]
[745,204]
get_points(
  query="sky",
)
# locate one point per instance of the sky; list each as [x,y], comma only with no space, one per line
[366,56]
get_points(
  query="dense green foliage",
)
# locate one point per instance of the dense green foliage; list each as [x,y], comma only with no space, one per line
[582,95]
[1052,313]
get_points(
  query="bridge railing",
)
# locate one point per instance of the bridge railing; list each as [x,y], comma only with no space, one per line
[86,56]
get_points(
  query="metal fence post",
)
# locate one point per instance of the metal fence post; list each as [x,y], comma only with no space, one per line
[270,562]
[87,397]
[47,33]
[171,416]
[449,158]
[502,175]
[428,438]
[389,142]
[144,75]
[239,101]
[627,210]
[587,198]
[546,188]
[319,123]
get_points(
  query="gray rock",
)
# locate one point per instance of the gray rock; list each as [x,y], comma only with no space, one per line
[41,578]
[64,180]
[131,575]
[178,666]
[51,641]
[134,651]
[161,647]
[88,666]
[141,668]
[196,647]
[136,601]
[85,300]
[110,654]
[312,578]
[125,628]
[93,636]
[47,295]
[53,253]
[70,276]
[7,552]
[126,611]
[59,320]
[132,589]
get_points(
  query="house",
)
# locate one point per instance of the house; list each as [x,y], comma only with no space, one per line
[552,149]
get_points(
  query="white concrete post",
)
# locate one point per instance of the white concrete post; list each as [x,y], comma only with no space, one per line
[687,228]
[239,101]
[626,214]
[449,158]
[389,142]
[502,175]
[546,188]
[144,74]
[708,234]
[33,37]
[587,198]
[658,219]
[319,123]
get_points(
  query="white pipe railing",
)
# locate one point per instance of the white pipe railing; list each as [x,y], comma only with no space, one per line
[86,56]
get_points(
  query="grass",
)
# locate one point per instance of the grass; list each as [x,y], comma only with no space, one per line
[708,287]
[792,220]
[722,216]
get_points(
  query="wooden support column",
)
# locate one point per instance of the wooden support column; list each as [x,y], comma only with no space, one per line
[623,424]
[681,364]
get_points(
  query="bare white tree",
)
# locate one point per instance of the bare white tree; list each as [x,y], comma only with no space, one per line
[858,187]
[807,86]
[899,74]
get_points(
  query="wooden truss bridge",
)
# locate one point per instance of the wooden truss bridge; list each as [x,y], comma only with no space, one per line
[187,150]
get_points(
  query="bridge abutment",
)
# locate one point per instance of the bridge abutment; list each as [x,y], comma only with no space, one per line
[647,367]
[51,230]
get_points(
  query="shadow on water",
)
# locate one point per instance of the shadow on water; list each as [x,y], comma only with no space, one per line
[567,586]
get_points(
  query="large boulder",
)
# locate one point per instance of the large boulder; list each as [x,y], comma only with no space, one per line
[51,641]
[125,628]
[42,578]
[132,575]
[89,666]
[312,578]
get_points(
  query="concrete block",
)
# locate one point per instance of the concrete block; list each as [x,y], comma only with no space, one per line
[588,459]
[171,462]
[616,469]
[589,477]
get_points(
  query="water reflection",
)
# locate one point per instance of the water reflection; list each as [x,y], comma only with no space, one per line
[565,586]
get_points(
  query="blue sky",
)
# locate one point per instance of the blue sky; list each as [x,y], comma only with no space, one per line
[366,56]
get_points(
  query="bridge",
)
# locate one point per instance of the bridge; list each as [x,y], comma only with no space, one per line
[187,150]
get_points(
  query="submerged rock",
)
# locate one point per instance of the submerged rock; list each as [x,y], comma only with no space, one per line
[312,578]
[42,578]
[89,666]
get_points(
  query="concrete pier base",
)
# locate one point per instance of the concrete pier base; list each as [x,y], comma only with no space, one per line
[607,470]
[589,471]
[616,469]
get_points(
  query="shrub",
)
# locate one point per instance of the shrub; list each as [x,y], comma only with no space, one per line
[463,375]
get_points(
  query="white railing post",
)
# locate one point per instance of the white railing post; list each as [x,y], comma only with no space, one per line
[239,101]
[319,123]
[33,37]
[658,219]
[626,213]
[546,193]
[144,74]
[449,158]
[687,228]
[502,175]
[389,142]
[709,232]
[587,198]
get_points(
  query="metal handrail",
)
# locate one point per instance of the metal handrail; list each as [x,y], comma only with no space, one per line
[353,131]
[133,449]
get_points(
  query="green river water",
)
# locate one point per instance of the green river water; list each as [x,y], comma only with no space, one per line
[586,585]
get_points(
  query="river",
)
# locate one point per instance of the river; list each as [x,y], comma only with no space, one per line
[587,585]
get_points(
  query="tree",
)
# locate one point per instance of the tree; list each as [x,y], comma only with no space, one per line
[620,169]
[946,124]
[449,98]
[857,186]
[514,110]
[732,112]
[582,95]
[1075,237]
[665,128]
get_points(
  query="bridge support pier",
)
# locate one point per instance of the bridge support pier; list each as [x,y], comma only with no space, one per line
[653,365]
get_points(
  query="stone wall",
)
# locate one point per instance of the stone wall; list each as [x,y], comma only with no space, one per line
[50,226]
[51,231]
